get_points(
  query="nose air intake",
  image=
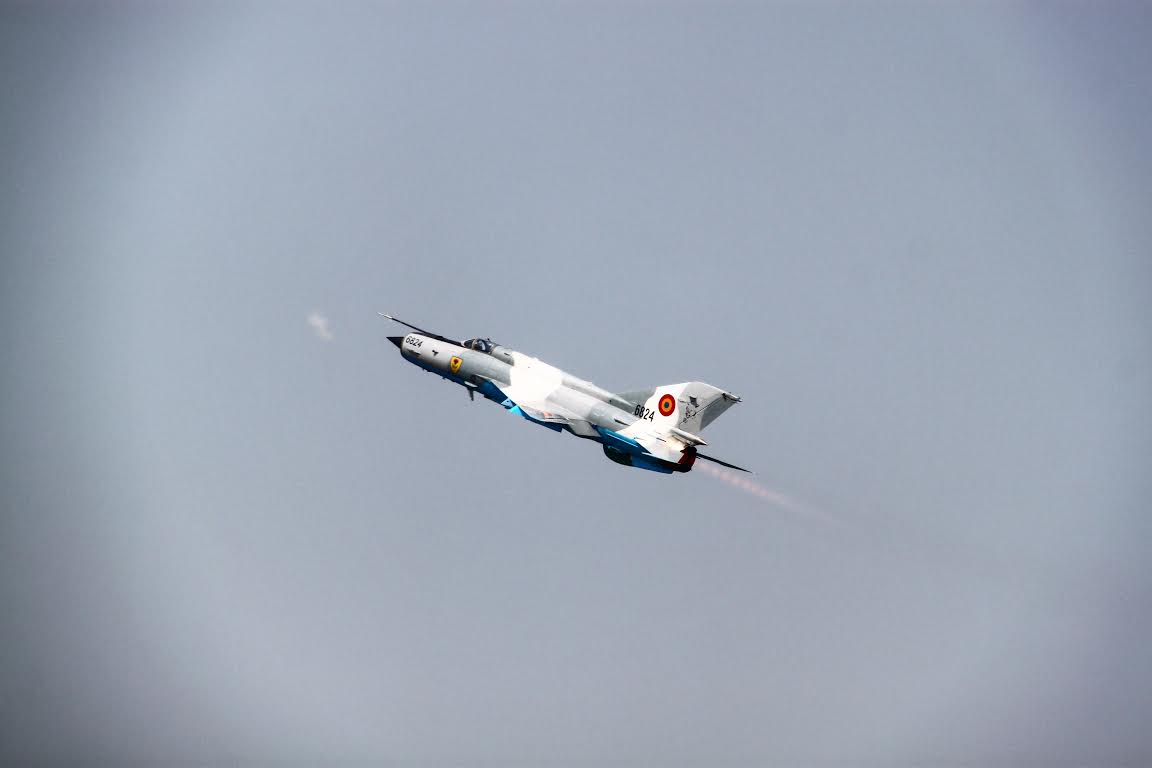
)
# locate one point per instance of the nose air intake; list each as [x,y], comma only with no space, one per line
[397,340]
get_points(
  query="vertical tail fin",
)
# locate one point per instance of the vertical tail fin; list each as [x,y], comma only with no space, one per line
[690,406]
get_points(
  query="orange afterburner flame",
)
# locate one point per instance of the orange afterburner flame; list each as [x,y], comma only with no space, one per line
[753,488]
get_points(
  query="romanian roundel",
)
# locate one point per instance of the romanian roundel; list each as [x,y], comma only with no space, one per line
[667,405]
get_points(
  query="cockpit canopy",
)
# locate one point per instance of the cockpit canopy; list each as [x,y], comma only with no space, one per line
[480,345]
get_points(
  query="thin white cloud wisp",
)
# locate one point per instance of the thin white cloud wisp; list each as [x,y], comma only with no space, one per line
[319,324]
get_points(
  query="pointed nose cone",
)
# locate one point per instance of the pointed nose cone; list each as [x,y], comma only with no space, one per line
[396,340]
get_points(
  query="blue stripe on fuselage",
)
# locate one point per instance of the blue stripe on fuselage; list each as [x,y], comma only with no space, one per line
[620,442]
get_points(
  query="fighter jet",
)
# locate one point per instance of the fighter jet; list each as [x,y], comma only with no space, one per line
[654,429]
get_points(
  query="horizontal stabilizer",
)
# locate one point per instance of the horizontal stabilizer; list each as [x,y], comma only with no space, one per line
[722,463]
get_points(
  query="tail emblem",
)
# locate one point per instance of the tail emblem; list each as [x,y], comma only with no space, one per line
[667,405]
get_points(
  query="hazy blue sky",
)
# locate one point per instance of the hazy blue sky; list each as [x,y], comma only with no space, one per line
[915,238]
